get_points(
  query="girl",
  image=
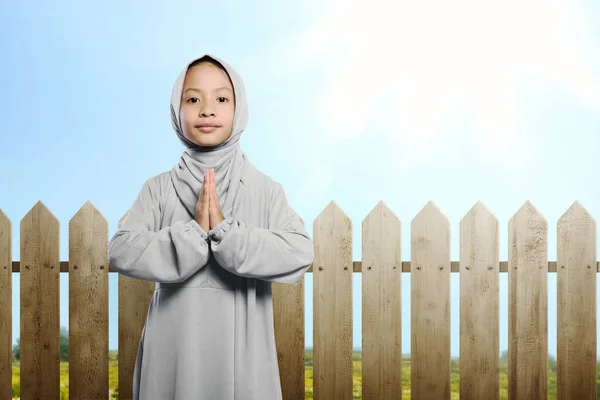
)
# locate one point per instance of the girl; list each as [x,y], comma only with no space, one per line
[213,233]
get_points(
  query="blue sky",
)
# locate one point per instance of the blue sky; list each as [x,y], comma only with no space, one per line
[395,102]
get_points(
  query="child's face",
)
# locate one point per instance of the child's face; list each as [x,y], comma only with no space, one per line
[204,100]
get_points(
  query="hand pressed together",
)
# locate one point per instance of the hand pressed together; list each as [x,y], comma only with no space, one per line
[208,210]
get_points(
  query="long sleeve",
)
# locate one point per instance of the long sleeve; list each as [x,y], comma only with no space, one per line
[139,250]
[282,253]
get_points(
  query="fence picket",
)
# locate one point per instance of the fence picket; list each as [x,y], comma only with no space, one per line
[527,305]
[576,311]
[88,304]
[430,305]
[479,305]
[332,302]
[288,318]
[40,312]
[381,305]
[5,306]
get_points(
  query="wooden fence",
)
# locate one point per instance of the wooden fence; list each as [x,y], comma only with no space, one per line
[381,267]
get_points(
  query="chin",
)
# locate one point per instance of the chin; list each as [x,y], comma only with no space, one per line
[205,140]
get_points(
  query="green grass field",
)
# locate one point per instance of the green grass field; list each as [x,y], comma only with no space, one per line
[454,379]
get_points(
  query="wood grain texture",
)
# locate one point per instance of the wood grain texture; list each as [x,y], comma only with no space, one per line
[381,305]
[332,302]
[40,312]
[576,311]
[479,305]
[288,316]
[88,304]
[528,305]
[430,305]
[5,307]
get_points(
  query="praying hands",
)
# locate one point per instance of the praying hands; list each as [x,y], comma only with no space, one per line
[208,211]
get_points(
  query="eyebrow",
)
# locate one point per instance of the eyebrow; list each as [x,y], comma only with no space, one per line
[216,90]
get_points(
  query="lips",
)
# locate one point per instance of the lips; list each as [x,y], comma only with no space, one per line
[206,128]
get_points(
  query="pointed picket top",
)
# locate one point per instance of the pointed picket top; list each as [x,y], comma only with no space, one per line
[529,209]
[379,228]
[334,213]
[478,207]
[576,236]
[576,211]
[530,218]
[40,236]
[431,213]
[479,217]
[381,209]
[38,213]
[527,232]
[88,212]
[88,215]
[527,239]
[477,224]
[331,205]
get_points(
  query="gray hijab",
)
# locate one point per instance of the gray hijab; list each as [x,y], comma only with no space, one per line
[226,158]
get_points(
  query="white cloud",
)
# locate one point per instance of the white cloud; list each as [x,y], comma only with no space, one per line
[437,58]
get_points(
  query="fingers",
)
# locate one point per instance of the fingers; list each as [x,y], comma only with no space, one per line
[214,186]
[214,199]
[211,189]
[202,189]
[207,190]
[205,196]
[210,184]
[212,192]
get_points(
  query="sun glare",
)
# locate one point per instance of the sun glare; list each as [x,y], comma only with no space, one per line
[438,58]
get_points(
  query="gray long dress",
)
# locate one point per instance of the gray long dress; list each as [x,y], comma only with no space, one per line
[209,328]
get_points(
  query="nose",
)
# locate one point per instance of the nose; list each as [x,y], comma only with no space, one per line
[206,110]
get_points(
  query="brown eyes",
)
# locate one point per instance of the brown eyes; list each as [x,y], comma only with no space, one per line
[195,98]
